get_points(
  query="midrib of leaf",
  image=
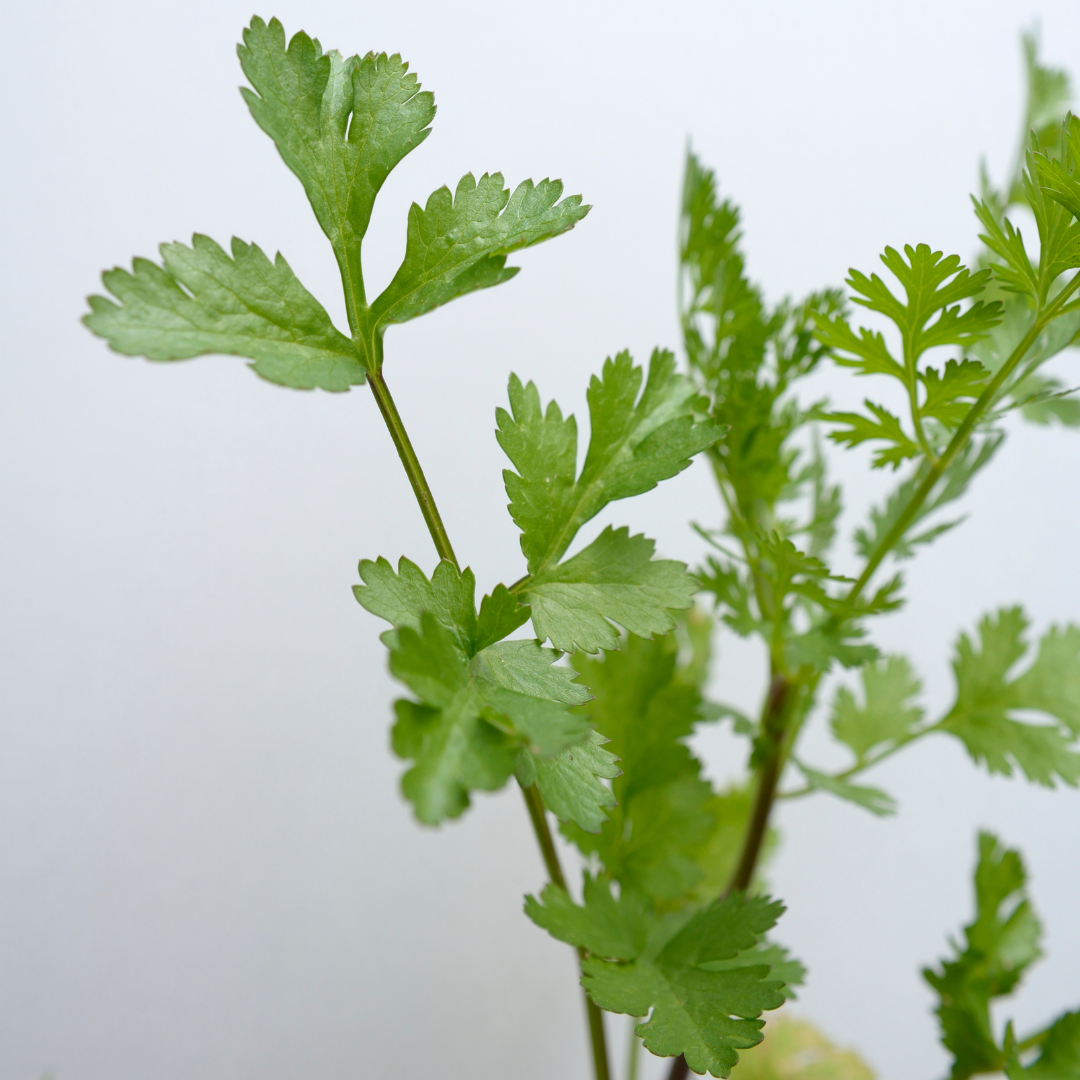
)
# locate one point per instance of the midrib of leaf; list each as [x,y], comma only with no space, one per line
[354,285]
[561,542]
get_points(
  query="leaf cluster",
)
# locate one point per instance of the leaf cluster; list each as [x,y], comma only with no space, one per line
[341,125]
[998,948]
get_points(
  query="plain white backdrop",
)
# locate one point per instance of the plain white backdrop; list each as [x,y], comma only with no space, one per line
[206,869]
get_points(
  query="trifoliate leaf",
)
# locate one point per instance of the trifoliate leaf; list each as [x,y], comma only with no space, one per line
[982,717]
[459,243]
[614,580]
[466,731]
[635,442]
[878,802]
[200,301]
[1001,944]
[704,1014]
[887,712]
[340,125]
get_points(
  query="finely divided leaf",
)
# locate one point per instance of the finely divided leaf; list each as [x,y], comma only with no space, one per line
[615,579]
[987,699]
[635,442]
[459,243]
[201,301]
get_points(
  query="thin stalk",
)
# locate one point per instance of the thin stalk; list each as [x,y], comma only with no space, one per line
[956,444]
[412,466]
[534,802]
[633,1054]
[533,799]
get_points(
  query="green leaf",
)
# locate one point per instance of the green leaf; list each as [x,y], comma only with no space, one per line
[951,393]
[1016,274]
[878,802]
[459,243]
[795,1050]
[665,966]
[986,700]
[887,712]
[882,426]
[1060,1056]
[466,730]
[570,782]
[200,301]
[615,579]
[403,597]
[658,839]
[527,668]
[340,125]
[635,442]
[1001,944]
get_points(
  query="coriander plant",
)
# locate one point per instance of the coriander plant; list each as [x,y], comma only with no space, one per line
[671,923]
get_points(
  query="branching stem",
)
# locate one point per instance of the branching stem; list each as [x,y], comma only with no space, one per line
[533,799]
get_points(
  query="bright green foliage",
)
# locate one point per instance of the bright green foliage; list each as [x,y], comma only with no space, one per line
[341,125]
[886,713]
[795,1050]
[458,244]
[704,1005]
[637,438]
[1059,1057]
[614,579]
[983,717]
[658,837]
[878,802]
[486,707]
[930,316]
[200,301]
[1000,945]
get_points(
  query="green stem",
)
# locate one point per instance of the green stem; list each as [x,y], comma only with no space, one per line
[412,466]
[534,802]
[959,440]
[533,799]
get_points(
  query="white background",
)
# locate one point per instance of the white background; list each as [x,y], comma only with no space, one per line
[205,867]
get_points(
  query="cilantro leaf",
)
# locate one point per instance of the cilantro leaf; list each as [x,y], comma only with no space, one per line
[1060,1053]
[666,966]
[878,802]
[403,597]
[525,667]
[635,442]
[1000,945]
[201,301]
[658,841]
[615,579]
[951,393]
[982,717]
[570,782]
[881,426]
[340,125]
[887,713]
[465,732]
[459,243]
